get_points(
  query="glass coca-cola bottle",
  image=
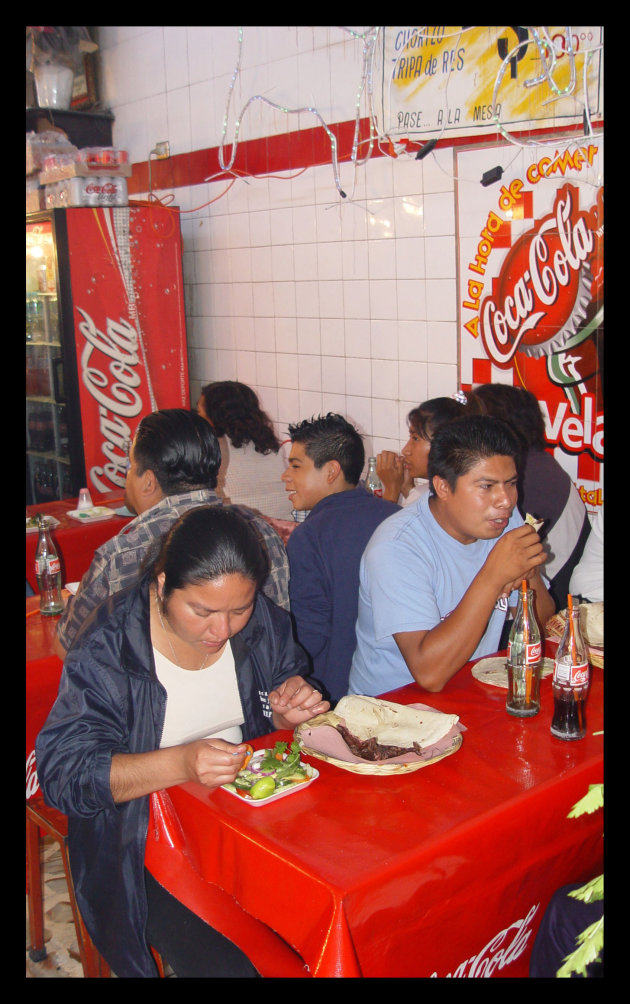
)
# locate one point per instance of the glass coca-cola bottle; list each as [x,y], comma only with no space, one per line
[48,572]
[372,481]
[524,658]
[571,679]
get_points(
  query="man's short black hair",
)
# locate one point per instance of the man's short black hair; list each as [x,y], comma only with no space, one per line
[180,447]
[458,446]
[331,437]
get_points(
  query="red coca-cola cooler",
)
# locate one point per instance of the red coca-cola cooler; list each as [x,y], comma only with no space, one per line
[105,341]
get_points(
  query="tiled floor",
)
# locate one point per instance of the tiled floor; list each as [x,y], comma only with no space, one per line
[62,958]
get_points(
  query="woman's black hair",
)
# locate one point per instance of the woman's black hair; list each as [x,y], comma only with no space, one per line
[234,411]
[206,543]
[427,418]
[516,406]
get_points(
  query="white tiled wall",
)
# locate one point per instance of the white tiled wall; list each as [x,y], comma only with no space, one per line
[319,303]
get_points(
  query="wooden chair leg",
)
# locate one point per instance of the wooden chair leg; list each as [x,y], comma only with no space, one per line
[37,951]
[94,966]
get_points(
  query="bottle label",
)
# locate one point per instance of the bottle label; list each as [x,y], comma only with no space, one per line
[51,565]
[531,652]
[565,674]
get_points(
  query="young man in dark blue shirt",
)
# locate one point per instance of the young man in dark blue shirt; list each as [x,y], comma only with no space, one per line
[325,464]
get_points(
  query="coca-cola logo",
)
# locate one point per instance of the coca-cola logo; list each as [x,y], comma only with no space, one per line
[543,280]
[113,386]
[32,781]
[105,188]
[499,952]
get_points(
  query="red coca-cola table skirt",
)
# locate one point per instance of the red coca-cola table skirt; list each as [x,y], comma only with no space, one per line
[443,872]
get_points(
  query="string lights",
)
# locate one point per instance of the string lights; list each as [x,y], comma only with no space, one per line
[548,50]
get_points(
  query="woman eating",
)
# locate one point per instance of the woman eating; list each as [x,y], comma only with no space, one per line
[163,685]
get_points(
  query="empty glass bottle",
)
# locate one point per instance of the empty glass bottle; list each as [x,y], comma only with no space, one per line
[524,659]
[372,481]
[48,572]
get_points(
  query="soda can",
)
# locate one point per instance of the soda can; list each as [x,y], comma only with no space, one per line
[91,191]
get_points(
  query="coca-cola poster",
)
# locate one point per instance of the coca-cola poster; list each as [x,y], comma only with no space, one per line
[531,289]
[129,325]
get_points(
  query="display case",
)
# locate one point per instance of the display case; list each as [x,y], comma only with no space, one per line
[54,469]
[105,341]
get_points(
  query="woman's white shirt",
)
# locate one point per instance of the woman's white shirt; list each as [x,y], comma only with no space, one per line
[200,703]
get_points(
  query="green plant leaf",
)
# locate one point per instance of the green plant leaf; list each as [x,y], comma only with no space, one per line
[591,892]
[593,800]
[590,943]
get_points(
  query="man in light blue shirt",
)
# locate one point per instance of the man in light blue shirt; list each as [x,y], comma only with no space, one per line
[436,577]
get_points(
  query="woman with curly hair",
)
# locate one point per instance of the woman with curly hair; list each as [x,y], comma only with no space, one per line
[251,463]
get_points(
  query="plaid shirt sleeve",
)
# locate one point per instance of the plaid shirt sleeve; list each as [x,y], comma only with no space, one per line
[117,562]
[276,586]
[94,588]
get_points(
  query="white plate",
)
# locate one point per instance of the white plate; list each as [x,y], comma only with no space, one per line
[50,522]
[93,515]
[314,774]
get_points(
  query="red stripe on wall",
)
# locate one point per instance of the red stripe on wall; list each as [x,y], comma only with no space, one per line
[289,151]
[270,155]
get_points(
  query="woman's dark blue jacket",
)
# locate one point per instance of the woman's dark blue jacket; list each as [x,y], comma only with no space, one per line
[110,701]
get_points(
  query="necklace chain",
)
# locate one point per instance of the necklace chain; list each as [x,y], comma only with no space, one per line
[170,644]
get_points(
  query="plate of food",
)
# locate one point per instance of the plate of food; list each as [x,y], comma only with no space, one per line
[270,774]
[92,515]
[493,670]
[32,523]
[367,735]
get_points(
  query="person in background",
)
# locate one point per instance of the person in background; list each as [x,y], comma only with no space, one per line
[563,921]
[325,464]
[587,580]
[437,577]
[163,686]
[251,464]
[545,489]
[173,465]
[398,472]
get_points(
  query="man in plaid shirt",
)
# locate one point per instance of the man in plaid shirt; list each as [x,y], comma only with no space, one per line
[173,466]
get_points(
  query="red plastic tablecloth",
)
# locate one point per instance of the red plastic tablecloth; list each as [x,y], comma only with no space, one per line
[445,871]
[75,542]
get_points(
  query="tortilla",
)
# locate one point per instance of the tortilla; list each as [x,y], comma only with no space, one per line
[592,623]
[392,724]
[493,671]
[320,737]
[534,521]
